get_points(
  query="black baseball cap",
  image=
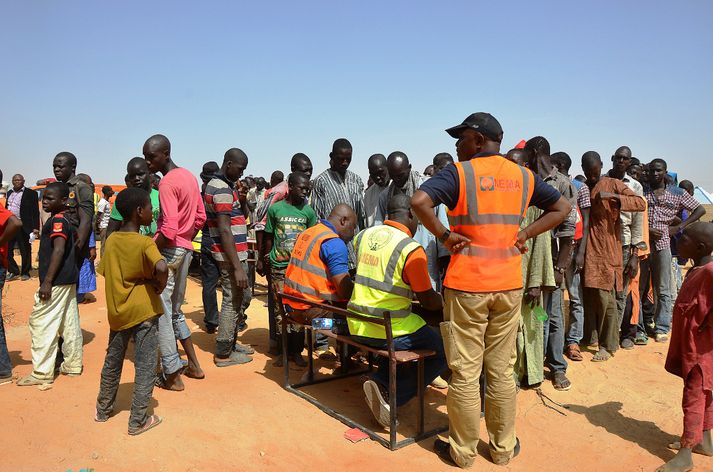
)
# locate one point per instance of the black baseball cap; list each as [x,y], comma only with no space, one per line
[483,123]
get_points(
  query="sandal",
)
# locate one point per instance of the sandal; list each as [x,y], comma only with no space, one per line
[573,353]
[561,382]
[244,348]
[154,420]
[602,356]
[32,380]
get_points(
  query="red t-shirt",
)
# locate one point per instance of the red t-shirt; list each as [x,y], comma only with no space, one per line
[5,215]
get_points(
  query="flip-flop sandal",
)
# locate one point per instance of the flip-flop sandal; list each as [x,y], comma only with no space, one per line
[235,358]
[598,358]
[153,421]
[30,380]
[244,348]
[561,382]
[573,353]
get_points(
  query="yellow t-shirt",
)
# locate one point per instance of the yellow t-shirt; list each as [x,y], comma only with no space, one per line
[128,266]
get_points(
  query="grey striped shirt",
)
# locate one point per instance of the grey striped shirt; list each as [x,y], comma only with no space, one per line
[330,190]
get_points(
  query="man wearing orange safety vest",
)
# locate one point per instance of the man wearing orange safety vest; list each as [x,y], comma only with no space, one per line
[487,197]
[319,264]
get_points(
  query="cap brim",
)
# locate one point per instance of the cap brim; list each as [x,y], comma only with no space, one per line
[457,130]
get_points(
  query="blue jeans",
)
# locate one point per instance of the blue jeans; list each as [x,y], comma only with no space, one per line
[554,331]
[573,281]
[406,373]
[5,364]
[656,269]
[172,323]
[210,273]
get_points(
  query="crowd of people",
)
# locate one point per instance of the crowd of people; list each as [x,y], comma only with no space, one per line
[492,241]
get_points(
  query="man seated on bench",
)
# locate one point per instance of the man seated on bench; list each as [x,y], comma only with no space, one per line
[391,267]
[319,269]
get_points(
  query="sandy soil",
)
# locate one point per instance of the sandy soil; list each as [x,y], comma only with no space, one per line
[619,417]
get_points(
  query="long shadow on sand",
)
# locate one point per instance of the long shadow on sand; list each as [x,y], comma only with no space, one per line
[644,433]
[87,336]
[16,359]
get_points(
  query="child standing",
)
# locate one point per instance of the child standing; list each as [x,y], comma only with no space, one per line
[135,274]
[55,311]
[690,353]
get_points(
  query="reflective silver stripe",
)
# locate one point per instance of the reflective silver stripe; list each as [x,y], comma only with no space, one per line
[310,291]
[490,252]
[473,217]
[312,269]
[387,285]
[394,259]
[525,190]
[358,239]
[487,219]
[383,286]
[378,311]
[471,198]
[472,195]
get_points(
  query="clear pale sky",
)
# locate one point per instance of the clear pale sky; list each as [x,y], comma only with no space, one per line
[275,78]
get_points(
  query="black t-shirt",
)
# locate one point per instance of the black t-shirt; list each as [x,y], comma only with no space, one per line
[58,227]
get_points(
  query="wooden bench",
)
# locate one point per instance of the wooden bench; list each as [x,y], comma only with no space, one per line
[395,357]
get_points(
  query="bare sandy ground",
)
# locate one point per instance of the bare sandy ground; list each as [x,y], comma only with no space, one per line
[619,417]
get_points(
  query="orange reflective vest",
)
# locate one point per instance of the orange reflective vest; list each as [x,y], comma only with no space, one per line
[306,275]
[494,194]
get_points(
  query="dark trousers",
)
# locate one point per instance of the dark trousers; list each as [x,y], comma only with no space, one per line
[272,324]
[601,318]
[22,242]
[295,334]
[145,336]
[628,330]
[210,273]
[5,364]
[406,374]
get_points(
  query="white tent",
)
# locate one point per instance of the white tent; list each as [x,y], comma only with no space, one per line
[703,196]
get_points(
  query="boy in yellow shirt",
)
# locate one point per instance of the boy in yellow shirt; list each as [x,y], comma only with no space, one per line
[135,274]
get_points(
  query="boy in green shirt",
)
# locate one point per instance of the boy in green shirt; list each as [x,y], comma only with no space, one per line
[137,175]
[285,221]
[135,273]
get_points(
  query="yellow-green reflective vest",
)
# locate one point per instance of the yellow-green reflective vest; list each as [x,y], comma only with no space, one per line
[379,286]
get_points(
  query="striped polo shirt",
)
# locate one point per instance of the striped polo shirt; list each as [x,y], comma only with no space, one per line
[221,198]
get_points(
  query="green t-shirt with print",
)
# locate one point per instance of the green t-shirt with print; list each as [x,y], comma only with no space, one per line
[285,222]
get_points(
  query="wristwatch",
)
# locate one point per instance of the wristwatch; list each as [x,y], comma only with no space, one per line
[444,237]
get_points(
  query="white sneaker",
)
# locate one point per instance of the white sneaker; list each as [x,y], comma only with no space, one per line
[439,383]
[379,407]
